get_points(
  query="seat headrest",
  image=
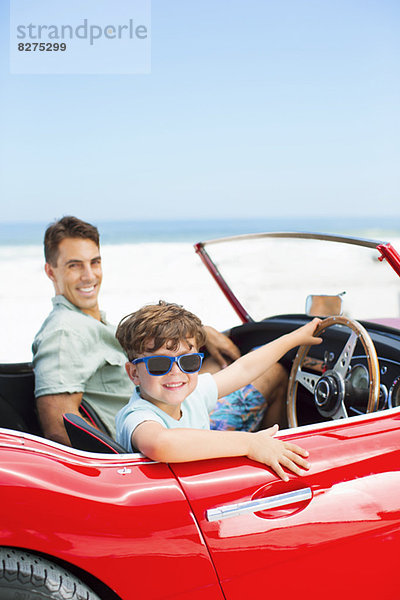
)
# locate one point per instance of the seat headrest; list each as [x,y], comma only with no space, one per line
[85,437]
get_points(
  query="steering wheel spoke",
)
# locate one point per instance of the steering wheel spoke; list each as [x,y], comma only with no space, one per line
[307,380]
[341,412]
[343,362]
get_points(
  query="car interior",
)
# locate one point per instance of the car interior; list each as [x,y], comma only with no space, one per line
[17,403]
[321,358]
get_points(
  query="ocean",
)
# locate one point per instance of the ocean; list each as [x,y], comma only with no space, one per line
[142,262]
[134,232]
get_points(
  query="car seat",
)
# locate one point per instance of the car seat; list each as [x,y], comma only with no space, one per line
[17,400]
[85,437]
[18,404]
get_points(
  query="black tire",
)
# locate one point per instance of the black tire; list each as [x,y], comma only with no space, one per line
[24,575]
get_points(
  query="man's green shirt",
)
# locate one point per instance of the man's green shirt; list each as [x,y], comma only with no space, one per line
[73,352]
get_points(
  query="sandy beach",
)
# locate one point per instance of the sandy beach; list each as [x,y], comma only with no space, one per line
[136,274]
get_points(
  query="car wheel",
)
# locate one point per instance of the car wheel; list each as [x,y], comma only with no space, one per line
[24,575]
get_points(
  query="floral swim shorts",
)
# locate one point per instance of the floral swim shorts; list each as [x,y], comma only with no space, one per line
[241,411]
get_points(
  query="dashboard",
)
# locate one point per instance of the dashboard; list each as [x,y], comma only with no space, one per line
[320,358]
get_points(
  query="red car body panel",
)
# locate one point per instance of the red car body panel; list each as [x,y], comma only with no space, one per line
[127,522]
[318,544]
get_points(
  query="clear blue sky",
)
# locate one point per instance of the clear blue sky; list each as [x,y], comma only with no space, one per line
[252,108]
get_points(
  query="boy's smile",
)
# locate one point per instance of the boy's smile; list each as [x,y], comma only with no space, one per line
[170,390]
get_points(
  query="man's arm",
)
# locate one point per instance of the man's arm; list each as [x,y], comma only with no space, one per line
[220,347]
[183,445]
[51,409]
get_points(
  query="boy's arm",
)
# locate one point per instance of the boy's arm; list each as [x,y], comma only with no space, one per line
[184,445]
[247,368]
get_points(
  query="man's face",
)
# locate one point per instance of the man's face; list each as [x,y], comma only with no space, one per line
[77,275]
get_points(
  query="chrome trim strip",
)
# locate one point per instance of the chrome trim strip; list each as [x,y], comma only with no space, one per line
[253,506]
[327,237]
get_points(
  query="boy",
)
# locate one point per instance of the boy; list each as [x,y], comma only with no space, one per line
[167,416]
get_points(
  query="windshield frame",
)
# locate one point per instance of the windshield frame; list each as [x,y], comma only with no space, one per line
[385,249]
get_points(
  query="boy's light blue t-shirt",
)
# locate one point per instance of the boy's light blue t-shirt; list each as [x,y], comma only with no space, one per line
[195,411]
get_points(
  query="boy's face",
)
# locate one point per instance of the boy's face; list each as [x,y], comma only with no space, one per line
[170,390]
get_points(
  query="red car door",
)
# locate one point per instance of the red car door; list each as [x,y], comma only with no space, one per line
[335,529]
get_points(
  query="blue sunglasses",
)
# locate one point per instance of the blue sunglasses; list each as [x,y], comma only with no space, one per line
[161,365]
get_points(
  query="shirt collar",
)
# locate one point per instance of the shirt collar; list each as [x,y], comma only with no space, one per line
[61,300]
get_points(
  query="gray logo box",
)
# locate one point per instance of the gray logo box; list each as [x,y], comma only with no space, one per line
[75,37]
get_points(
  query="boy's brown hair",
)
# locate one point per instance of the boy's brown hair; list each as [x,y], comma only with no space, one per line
[163,323]
[67,227]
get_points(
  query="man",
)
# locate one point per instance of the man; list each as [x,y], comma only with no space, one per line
[75,353]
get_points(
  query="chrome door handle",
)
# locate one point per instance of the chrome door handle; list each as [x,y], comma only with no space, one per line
[252,506]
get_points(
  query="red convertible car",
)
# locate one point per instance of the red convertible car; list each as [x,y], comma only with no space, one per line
[92,522]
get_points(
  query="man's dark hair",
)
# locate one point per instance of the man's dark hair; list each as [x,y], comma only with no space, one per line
[67,227]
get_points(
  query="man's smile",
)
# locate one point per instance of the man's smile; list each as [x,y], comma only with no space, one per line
[88,289]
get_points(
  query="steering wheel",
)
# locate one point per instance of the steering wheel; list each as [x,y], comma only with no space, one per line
[328,389]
